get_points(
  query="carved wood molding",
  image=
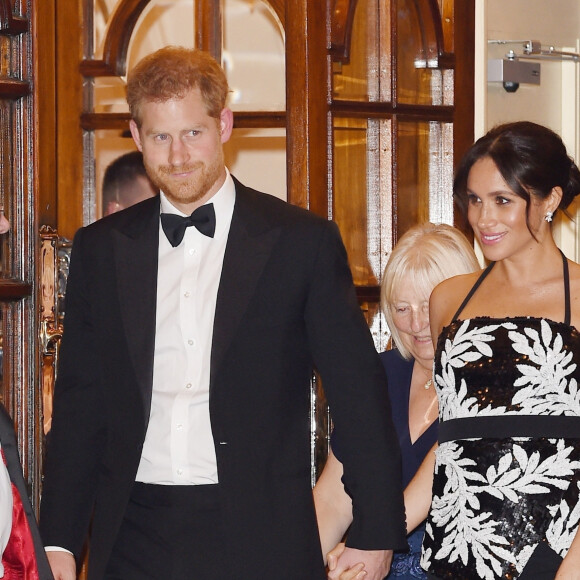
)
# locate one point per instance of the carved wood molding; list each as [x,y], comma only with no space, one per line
[431,26]
[380,110]
[114,61]
[342,18]
[11,289]
[209,27]
[50,331]
[14,89]
[10,24]
[428,18]
[242,120]
[279,7]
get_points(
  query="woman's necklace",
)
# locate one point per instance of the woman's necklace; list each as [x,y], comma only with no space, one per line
[429,373]
[418,370]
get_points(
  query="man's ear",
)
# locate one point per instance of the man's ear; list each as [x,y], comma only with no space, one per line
[226,124]
[135,134]
[113,207]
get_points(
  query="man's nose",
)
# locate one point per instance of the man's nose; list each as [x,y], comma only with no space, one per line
[178,154]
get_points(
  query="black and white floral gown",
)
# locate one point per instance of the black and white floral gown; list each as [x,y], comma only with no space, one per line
[507,474]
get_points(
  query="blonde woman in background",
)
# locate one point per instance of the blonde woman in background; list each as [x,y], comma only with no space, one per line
[424,256]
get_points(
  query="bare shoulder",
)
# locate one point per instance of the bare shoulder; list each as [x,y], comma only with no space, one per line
[446,298]
[453,290]
[574,269]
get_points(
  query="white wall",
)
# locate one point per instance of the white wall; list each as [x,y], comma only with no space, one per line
[555,23]
[555,102]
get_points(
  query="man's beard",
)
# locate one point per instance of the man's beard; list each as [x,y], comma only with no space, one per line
[188,190]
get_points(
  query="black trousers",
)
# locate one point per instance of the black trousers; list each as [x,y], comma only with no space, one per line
[171,533]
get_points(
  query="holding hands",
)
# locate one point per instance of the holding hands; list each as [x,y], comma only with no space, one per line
[352,564]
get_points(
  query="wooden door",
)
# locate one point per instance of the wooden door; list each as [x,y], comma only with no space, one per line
[398,115]
[378,106]
[26,125]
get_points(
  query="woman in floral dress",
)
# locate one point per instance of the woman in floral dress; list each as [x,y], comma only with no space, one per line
[506,487]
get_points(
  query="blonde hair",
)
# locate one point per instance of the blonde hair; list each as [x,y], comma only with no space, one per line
[428,254]
[170,73]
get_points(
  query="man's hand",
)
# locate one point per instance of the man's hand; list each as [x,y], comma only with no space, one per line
[352,564]
[62,564]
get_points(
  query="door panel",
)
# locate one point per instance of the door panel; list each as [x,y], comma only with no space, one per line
[361,113]
[19,390]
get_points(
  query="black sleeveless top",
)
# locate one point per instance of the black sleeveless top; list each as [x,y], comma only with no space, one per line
[507,477]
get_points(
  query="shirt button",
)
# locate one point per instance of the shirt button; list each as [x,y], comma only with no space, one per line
[191,342]
[187,294]
[179,427]
[180,472]
[192,251]
[188,386]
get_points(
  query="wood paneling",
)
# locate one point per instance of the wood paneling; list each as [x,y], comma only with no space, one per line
[69,106]
[307,97]
[208,27]
[19,183]
[45,184]
[120,29]
[242,120]
[463,25]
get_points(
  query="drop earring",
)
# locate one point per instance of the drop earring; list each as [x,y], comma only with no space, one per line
[549,215]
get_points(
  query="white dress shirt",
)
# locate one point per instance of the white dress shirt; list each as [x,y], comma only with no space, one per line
[179,447]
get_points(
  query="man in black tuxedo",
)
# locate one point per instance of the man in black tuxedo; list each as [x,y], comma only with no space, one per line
[180,421]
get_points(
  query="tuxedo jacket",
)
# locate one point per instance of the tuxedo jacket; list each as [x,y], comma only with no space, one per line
[286,305]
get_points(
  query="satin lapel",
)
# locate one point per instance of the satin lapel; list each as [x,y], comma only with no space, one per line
[136,257]
[250,243]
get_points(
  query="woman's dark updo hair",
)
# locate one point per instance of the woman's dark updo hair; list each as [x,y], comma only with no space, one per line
[531,158]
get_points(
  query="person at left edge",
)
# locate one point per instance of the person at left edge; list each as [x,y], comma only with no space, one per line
[181,405]
[22,555]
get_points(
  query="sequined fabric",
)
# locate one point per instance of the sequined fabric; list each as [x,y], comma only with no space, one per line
[496,498]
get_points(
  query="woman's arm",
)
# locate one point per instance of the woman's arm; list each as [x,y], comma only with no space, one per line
[570,567]
[333,505]
[417,502]
[418,492]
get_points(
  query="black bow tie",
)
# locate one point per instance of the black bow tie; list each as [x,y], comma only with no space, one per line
[174,226]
